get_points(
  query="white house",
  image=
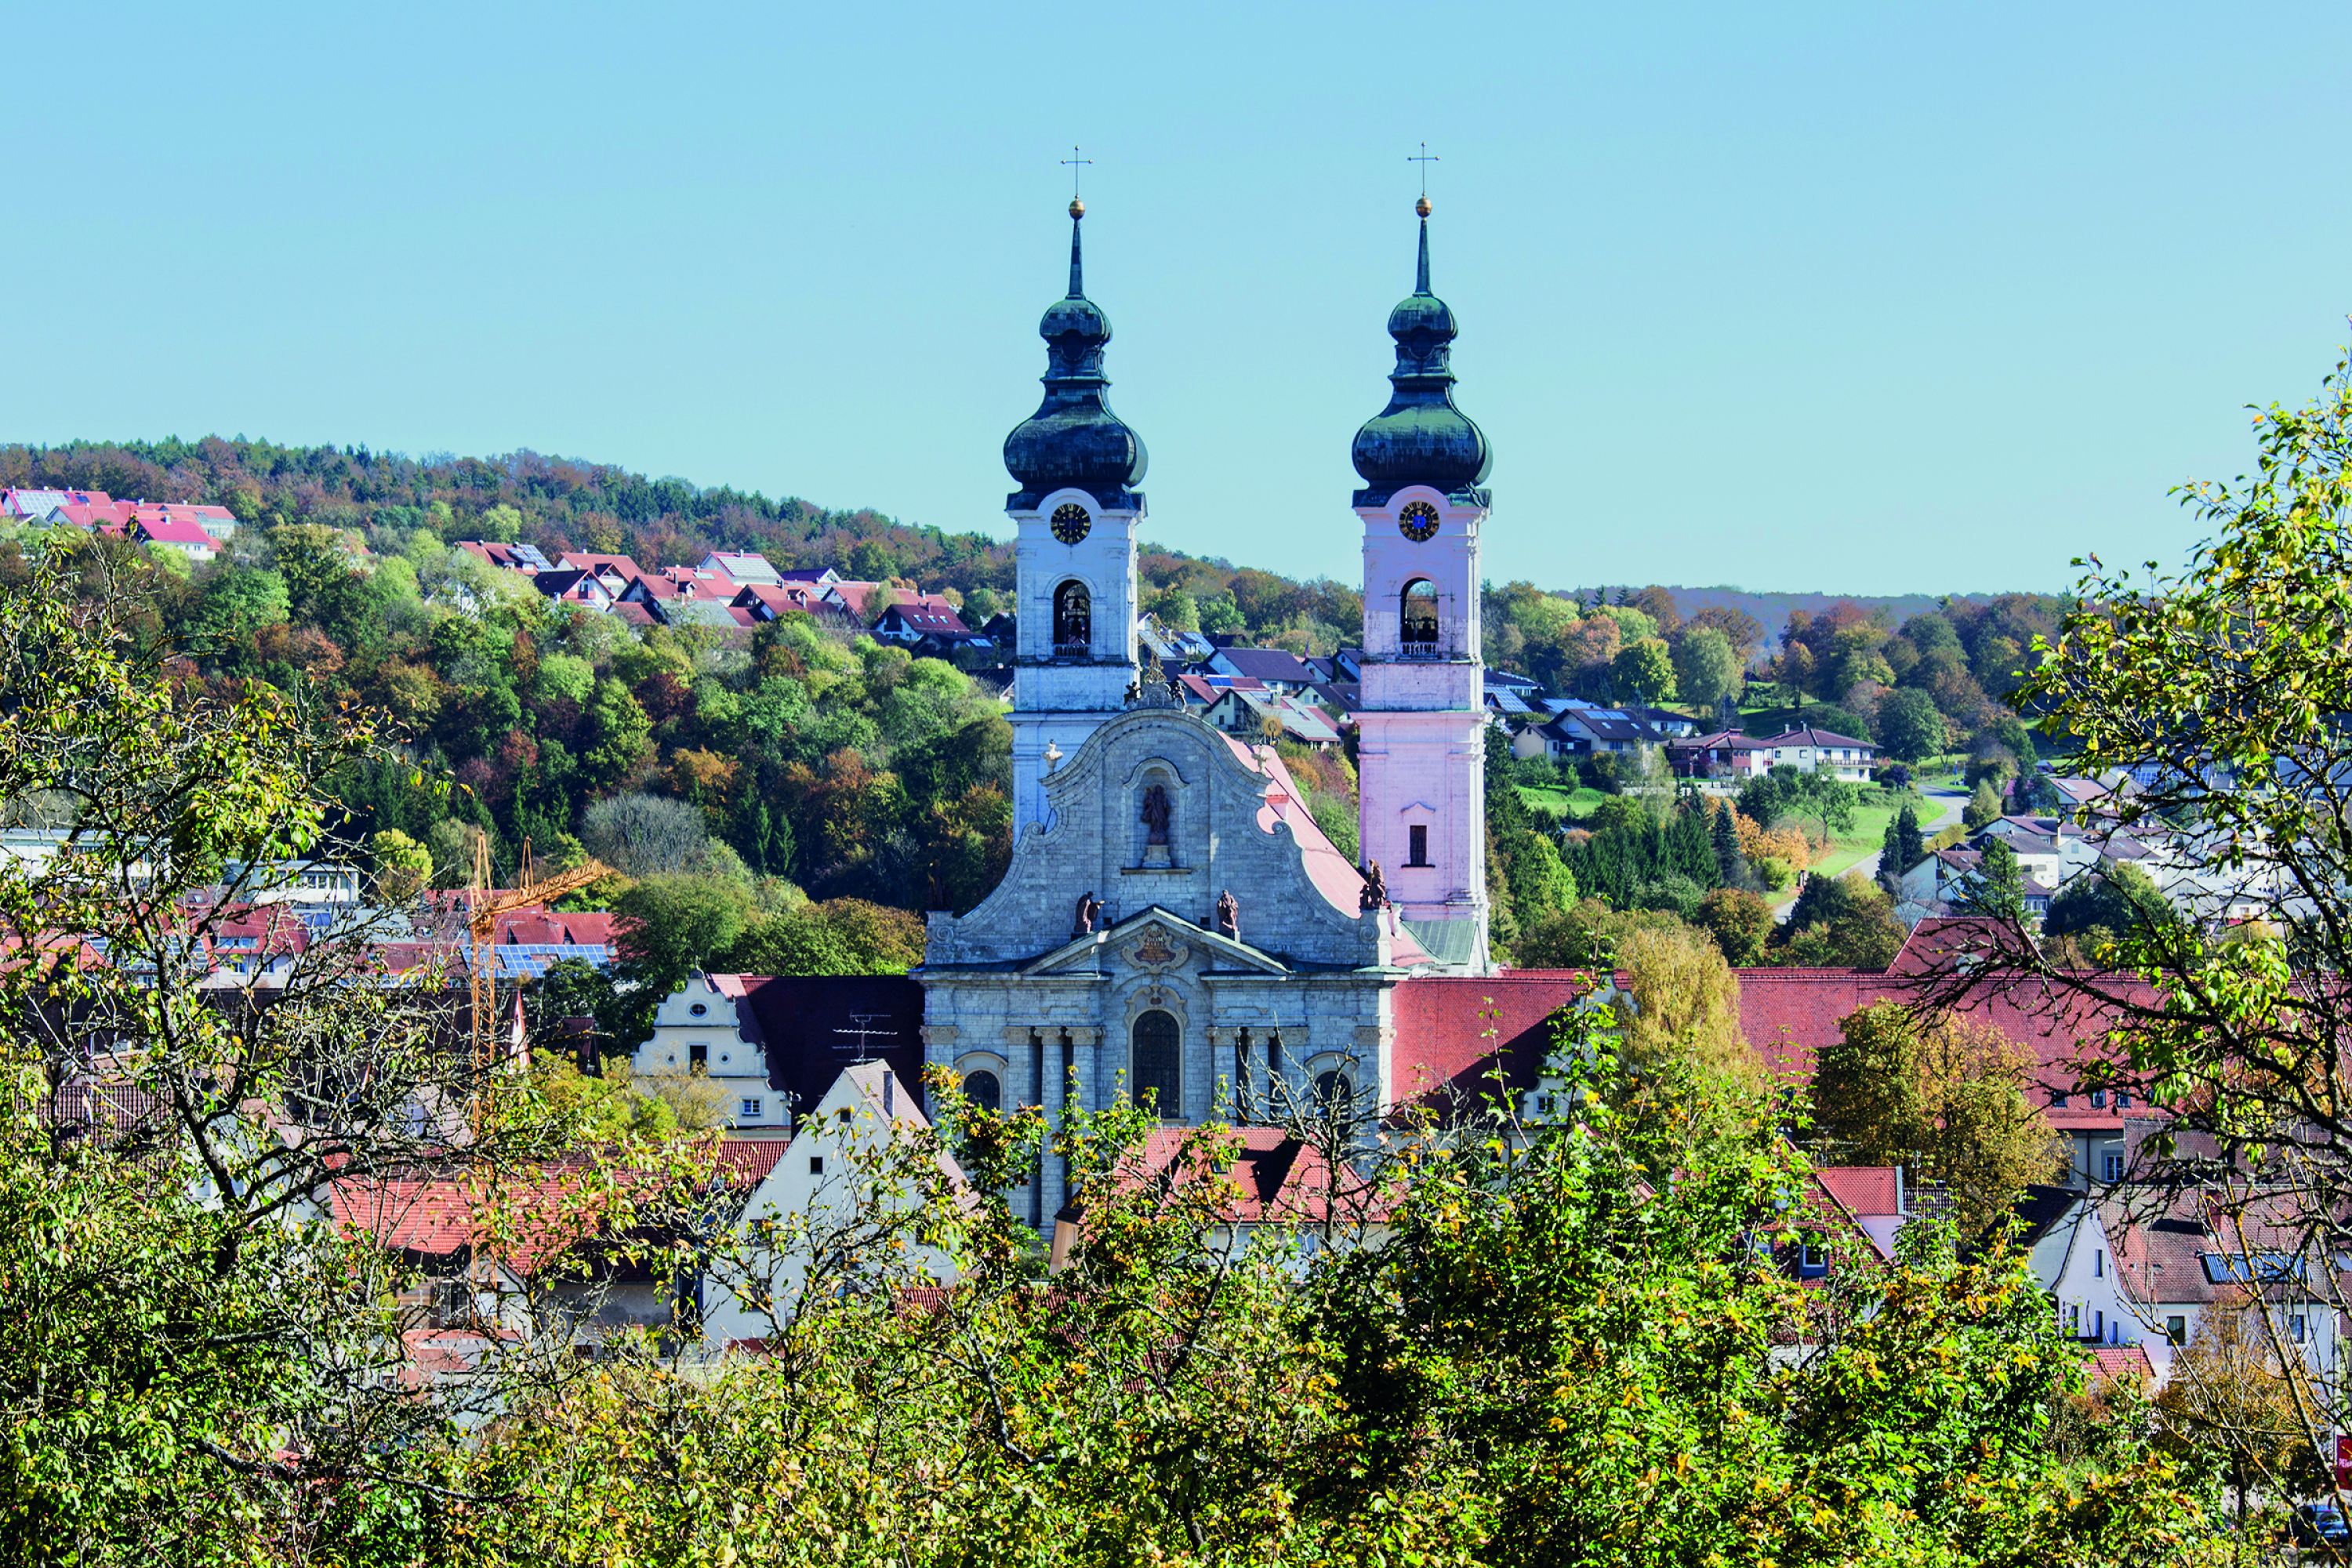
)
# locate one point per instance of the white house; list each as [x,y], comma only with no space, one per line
[704,1026]
[2066,1247]
[2179,1258]
[1812,750]
[826,1216]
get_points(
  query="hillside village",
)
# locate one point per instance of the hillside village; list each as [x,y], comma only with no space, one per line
[784,1057]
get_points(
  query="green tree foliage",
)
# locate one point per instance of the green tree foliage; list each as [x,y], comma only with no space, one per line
[2103,909]
[1643,671]
[1706,669]
[1946,1096]
[1633,856]
[1904,846]
[842,936]
[203,1365]
[1740,922]
[1996,887]
[1984,805]
[1840,921]
[1909,727]
[666,928]
[403,867]
[1818,800]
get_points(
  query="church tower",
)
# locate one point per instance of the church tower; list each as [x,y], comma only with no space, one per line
[1422,721]
[1075,515]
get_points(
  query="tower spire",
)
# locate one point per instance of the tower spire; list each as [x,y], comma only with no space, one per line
[1077,267]
[1421,272]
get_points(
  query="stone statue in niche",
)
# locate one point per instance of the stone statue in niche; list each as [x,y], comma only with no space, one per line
[1155,815]
[1376,890]
[1229,915]
[1090,909]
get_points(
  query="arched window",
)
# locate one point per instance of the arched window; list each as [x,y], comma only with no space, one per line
[1333,1092]
[1155,1068]
[1073,618]
[1417,617]
[982,1090]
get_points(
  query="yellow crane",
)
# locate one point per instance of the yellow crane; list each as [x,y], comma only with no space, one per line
[484,904]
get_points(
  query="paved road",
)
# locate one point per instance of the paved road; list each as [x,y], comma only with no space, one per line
[1948,803]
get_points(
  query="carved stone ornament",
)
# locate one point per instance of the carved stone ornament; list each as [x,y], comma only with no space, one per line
[1154,950]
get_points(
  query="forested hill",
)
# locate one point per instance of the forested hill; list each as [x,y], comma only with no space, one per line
[556,503]
[562,503]
[1771,610]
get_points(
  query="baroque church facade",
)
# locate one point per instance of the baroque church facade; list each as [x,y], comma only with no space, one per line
[1173,923]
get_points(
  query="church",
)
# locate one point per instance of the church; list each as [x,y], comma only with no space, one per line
[1173,925]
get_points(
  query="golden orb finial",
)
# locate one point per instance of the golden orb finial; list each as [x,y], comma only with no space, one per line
[1077,208]
[1422,206]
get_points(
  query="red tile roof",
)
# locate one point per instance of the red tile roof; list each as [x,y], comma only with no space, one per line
[2109,1362]
[1788,1015]
[1453,1031]
[1864,1189]
[176,531]
[1276,1178]
[926,613]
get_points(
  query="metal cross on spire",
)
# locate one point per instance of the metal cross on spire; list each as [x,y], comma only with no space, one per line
[1424,159]
[1072,163]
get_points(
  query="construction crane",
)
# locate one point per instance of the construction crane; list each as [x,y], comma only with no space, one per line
[484,904]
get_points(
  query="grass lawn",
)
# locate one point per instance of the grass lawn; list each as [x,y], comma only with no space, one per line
[1849,849]
[1571,803]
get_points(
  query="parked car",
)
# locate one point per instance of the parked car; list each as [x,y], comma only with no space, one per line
[2320,1524]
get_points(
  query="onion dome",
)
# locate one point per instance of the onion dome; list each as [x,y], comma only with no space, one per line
[1420,438]
[1073,440]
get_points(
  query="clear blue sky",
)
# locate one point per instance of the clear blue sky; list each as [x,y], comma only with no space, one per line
[1863,297]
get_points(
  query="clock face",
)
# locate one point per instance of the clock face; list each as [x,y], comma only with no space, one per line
[1418,521]
[1071,522]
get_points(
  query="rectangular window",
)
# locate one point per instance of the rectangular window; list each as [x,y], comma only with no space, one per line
[816,1164]
[1416,839]
[2058,1100]
[2099,1324]
[2099,1265]
[2099,1098]
[2074,1318]
[752,1106]
[2176,1330]
[2123,1101]
[2294,1327]
[2111,1167]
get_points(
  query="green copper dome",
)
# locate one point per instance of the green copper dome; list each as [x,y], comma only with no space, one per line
[1420,438]
[1073,440]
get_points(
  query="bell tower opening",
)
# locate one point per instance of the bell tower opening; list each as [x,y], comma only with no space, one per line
[1417,619]
[1072,620]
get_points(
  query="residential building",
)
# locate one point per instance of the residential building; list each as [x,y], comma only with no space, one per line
[1812,750]
[1249,711]
[1277,668]
[857,1160]
[743,568]
[703,1027]
[185,535]
[1725,754]
[523,558]
[577,585]
[911,617]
